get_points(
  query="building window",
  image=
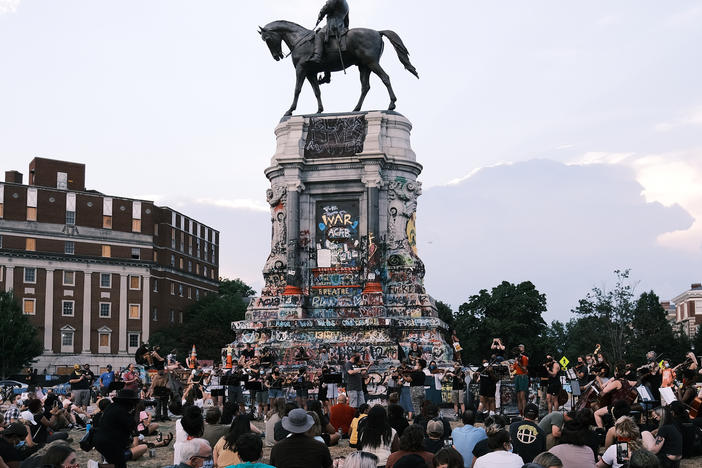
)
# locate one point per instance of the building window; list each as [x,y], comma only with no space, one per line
[136,225]
[190,266]
[197,294]
[172,317]
[180,290]
[30,275]
[67,334]
[173,261]
[173,238]
[104,340]
[69,248]
[70,218]
[190,293]
[181,247]
[155,285]
[107,222]
[172,288]
[134,282]
[29,306]
[62,180]
[30,244]
[133,341]
[105,280]
[154,315]
[69,278]
[106,251]
[180,263]
[156,229]
[105,310]
[204,270]
[155,257]
[67,308]
[180,316]
[31,213]
[134,311]
[197,268]
[136,253]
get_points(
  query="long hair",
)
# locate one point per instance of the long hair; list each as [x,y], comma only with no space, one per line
[56,455]
[664,413]
[625,427]
[240,425]
[360,460]
[316,429]
[192,421]
[376,430]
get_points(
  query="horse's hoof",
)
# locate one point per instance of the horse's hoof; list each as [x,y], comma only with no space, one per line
[391,106]
[288,113]
[320,110]
[357,109]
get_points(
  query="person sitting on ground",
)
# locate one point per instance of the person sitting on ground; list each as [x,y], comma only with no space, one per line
[466,436]
[447,457]
[316,430]
[39,417]
[500,454]
[434,440]
[13,412]
[213,429]
[250,450]
[627,431]
[100,411]
[190,426]
[552,425]
[274,416]
[331,437]
[546,460]
[113,439]
[430,411]
[341,415]
[9,440]
[194,452]
[299,449]
[411,442]
[361,412]
[572,448]
[528,439]
[59,455]
[482,447]
[360,460]
[145,427]
[376,436]
[279,431]
[643,459]
[396,418]
[225,450]
[666,441]
[619,408]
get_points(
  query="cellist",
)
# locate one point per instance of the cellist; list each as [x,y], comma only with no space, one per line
[618,388]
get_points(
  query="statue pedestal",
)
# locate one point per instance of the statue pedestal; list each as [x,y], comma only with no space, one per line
[343,272]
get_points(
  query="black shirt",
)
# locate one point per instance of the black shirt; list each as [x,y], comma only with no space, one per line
[83,384]
[433,445]
[673,444]
[418,378]
[8,452]
[459,381]
[481,448]
[300,451]
[528,439]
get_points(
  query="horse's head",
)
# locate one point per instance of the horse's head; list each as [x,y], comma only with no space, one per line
[273,39]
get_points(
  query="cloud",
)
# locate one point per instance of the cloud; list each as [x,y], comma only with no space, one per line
[8,6]
[236,203]
[693,117]
[563,227]
[473,172]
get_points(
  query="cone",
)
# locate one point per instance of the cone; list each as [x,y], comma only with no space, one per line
[229,357]
[193,358]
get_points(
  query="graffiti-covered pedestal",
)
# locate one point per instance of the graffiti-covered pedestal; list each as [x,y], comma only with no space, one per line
[343,274]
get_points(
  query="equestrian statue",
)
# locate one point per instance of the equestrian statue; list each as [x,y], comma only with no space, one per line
[333,48]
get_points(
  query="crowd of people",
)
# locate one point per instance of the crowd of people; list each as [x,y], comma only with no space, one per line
[304,412]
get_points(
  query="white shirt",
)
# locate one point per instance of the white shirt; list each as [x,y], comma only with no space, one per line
[499,459]
[610,456]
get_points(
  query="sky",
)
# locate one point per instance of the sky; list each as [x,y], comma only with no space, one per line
[560,140]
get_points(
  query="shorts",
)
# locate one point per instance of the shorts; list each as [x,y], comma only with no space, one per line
[234,394]
[458,396]
[332,391]
[274,393]
[302,393]
[217,392]
[356,398]
[262,397]
[418,395]
[554,387]
[82,397]
[521,383]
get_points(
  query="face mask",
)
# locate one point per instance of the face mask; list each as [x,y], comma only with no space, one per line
[600,360]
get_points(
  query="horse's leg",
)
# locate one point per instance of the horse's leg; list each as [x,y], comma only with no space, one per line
[300,78]
[378,70]
[365,85]
[312,78]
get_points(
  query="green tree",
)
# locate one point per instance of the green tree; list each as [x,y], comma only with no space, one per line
[512,312]
[207,323]
[19,341]
[614,307]
[651,330]
[445,313]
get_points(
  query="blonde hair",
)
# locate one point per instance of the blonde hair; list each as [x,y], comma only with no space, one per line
[316,429]
[626,427]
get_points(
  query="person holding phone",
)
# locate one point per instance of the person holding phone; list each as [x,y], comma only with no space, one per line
[628,439]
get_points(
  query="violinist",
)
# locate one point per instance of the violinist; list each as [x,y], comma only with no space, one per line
[521,377]
[487,381]
[618,388]
[651,376]
[600,370]
[554,383]
[414,353]
[301,387]
[582,371]
[274,382]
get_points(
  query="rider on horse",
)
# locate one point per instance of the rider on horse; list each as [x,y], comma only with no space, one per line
[337,13]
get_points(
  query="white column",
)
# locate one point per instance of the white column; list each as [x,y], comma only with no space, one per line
[145,308]
[122,314]
[87,289]
[49,313]
[9,278]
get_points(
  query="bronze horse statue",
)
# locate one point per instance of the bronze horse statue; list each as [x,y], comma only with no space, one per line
[363,49]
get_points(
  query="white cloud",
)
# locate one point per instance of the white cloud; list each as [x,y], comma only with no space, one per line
[474,171]
[8,6]
[235,203]
[598,157]
[693,117]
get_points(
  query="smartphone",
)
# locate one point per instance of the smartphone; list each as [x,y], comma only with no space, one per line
[622,452]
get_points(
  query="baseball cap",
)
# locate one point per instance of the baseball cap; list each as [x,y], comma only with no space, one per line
[15,428]
[28,416]
[435,428]
[531,409]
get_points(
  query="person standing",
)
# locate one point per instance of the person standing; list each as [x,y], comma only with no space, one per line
[159,390]
[106,379]
[554,384]
[80,386]
[416,379]
[521,378]
[458,387]
[354,385]
[130,379]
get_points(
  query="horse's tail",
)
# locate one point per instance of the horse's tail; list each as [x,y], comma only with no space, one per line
[402,52]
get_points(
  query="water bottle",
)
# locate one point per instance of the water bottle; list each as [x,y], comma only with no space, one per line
[88,427]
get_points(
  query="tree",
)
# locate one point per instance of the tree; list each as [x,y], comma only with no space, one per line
[207,323]
[512,312]
[614,307]
[19,340]
[445,314]
[651,330]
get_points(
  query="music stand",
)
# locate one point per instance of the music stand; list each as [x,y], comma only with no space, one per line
[667,395]
[332,378]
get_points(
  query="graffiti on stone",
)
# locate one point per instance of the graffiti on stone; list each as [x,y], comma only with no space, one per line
[332,137]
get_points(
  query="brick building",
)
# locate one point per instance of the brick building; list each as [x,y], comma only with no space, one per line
[96,274]
[688,309]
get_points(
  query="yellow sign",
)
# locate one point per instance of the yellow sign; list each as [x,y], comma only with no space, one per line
[564,362]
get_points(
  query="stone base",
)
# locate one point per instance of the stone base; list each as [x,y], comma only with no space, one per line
[57,363]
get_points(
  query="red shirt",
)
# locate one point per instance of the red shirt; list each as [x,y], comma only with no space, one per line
[524,362]
[340,416]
